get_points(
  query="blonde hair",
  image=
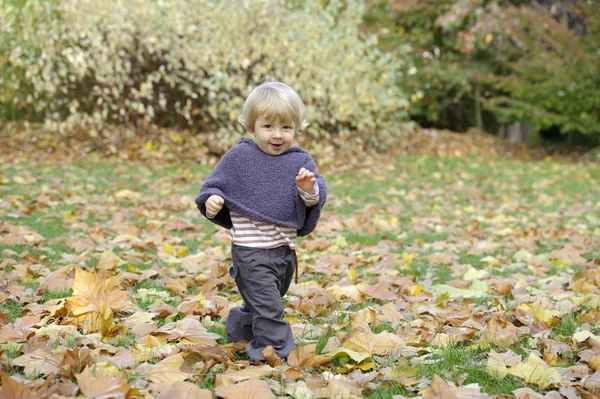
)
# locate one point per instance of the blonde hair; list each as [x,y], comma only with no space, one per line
[274,101]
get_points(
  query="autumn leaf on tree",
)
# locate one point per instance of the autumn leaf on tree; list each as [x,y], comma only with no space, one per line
[94,300]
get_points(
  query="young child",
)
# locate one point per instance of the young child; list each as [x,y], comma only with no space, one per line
[266,192]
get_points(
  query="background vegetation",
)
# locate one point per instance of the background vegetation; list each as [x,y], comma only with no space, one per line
[363,66]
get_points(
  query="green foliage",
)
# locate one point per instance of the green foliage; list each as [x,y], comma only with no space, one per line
[484,62]
[550,73]
[192,63]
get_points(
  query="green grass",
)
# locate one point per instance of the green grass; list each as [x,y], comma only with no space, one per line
[388,390]
[453,362]
[433,213]
[219,328]
[566,328]
[57,294]
[13,309]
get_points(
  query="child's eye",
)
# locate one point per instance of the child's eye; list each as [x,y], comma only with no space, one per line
[267,126]
[287,127]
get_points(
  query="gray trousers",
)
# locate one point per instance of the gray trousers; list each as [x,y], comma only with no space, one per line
[263,276]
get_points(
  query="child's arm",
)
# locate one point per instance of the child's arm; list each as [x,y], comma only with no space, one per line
[306,181]
[308,187]
[214,204]
[309,181]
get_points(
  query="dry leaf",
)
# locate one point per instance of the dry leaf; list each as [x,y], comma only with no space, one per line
[439,390]
[363,340]
[185,390]
[306,356]
[293,373]
[41,361]
[252,389]
[271,357]
[167,371]
[232,376]
[12,389]
[102,387]
[339,389]
[95,300]
[188,329]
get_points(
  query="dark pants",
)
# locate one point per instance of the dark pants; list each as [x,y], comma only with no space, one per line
[263,276]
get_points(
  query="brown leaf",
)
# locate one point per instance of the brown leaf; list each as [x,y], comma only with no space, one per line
[293,373]
[380,291]
[363,340]
[233,376]
[439,390]
[188,329]
[102,387]
[339,389]
[306,356]
[185,390]
[57,280]
[593,383]
[251,389]
[167,371]
[41,361]
[271,357]
[12,389]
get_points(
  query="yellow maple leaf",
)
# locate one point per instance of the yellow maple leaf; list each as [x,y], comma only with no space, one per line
[536,371]
[93,299]
[167,371]
[363,340]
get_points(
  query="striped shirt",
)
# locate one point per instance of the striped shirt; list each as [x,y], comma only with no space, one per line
[249,233]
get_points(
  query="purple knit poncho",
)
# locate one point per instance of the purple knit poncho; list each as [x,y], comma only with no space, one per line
[262,187]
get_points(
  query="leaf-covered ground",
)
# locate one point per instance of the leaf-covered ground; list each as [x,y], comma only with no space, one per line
[427,276]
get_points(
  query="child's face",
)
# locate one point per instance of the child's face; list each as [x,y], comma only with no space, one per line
[274,137]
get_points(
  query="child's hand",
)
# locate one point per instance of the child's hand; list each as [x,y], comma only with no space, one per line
[214,203]
[306,181]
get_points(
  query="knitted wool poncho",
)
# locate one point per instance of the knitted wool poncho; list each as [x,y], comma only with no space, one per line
[262,187]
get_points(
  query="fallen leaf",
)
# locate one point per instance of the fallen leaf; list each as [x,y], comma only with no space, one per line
[252,389]
[41,361]
[306,356]
[536,371]
[339,389]
[363,340]
[102,387]
[167,371]
[271,357]
[185,390]
[94,300]
[439,390]
[233,376]
[188,329]
[12,389]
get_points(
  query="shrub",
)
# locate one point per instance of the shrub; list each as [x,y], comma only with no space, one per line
[191,63]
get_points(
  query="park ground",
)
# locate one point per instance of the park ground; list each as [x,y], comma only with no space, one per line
[460,271]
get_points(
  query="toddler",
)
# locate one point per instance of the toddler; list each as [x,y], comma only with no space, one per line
[266,192]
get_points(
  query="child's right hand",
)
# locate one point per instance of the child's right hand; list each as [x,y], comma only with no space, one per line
[214,204]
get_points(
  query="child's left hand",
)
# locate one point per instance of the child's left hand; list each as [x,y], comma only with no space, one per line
[306,181]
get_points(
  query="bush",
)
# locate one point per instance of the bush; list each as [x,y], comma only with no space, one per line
[191,63]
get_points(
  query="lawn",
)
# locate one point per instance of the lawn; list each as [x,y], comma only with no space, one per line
[426,275]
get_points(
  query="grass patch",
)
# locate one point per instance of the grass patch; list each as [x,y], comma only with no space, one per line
[456,362]
[323,340]
[219,328]
[208,382]
[566,328]
[388,390]
[57,294]
[13,309]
